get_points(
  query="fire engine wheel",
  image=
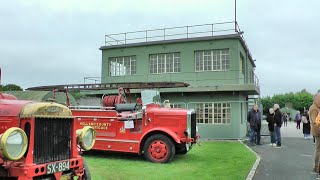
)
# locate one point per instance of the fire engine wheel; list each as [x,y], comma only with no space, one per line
[87,175]
[159,148]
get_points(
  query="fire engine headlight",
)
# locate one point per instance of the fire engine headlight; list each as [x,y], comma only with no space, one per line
[86,137]
[13,143]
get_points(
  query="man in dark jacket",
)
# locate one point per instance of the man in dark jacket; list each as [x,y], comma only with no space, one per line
[278,121]
[306,126]
[254,118]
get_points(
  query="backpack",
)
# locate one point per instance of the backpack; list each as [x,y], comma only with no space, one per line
[304,120]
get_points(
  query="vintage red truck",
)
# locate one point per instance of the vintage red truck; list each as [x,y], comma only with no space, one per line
[143,127]
[39,140]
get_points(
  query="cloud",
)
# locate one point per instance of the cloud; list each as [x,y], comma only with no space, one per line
[127,6]
[57,41]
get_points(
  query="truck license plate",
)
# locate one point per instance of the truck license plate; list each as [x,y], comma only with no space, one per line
[58,167]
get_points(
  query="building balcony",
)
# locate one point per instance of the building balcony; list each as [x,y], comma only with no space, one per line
[229,80]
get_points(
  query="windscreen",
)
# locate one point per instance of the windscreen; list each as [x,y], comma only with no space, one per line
[150,96]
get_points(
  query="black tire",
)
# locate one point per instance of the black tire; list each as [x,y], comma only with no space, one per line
[181,149]
[159,149]
[87,175]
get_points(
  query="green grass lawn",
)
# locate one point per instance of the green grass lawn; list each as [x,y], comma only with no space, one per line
[212,160]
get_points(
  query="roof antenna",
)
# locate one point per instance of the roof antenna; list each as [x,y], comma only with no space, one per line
[235,15]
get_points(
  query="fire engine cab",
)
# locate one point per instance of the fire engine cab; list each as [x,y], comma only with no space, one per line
[145,126]
[39,140]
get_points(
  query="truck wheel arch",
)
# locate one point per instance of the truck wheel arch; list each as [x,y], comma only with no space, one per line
[171,135]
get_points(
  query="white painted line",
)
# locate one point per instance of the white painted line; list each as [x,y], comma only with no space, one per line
[306,155]
[255,165]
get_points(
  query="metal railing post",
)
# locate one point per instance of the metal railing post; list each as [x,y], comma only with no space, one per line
[235,27]
[164,34]
[211,29]
[187,31]
[125,38]
[146,35]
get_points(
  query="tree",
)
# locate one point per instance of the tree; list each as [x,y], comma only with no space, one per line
[298,101]
[303,100]
[76,94]
[11,87]
[267,103]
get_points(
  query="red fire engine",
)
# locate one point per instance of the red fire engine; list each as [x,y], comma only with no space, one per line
[142,127]
[39,140]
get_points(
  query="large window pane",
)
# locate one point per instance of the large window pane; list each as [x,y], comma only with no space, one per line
[212,60]
[120,66]
[164,63]
[213,113]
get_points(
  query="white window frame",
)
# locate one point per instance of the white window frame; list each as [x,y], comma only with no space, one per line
[213,113]
[158,67]
[178,105]
[220,65]
[117,66]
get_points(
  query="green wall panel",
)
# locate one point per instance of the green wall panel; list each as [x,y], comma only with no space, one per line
[236,96]
[187,74]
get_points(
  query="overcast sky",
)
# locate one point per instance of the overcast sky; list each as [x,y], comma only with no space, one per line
[46,42]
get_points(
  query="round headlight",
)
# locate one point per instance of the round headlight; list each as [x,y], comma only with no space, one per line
[87,137]
[13,143]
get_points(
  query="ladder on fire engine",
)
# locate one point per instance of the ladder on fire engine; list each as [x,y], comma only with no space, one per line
[110,86]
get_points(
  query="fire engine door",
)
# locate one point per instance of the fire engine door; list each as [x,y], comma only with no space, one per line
[107,127]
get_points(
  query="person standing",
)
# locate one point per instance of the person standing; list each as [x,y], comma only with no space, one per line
[285,119]
[270,120]
[278,122]
[315,129]
[298,119]
[306,125]
[254,118]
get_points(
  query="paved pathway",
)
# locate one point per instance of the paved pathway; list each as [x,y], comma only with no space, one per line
[291,162]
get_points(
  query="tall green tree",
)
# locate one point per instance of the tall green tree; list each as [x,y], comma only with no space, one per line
[300,100]
[11,87]
[303,100]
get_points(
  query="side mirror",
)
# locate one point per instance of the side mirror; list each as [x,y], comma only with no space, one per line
[144,109]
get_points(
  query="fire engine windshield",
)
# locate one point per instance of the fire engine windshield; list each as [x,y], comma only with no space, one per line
[150,96]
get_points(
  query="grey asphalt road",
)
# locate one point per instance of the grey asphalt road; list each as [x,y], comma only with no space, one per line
[293,161]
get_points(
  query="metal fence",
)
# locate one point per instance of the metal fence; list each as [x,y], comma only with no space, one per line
[174,33]
[171,33]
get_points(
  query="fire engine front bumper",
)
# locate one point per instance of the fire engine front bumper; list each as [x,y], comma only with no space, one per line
[56,169]
[190,140]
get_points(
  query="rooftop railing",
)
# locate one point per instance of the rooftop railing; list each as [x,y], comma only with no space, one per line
[174,33]
[171,33]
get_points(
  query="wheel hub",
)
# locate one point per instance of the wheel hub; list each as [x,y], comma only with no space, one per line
[158,150]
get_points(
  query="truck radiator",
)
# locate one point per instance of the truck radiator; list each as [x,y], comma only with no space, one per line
[193,125]
[52,140]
